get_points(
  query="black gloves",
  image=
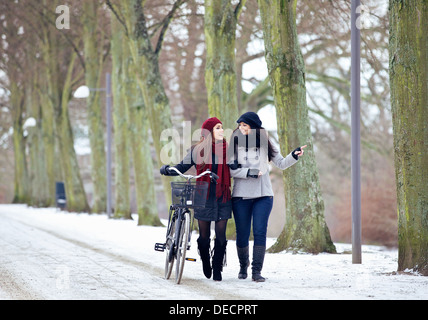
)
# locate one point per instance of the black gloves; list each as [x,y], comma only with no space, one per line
[295,156]
[164,170]
[235,165]
[253,173]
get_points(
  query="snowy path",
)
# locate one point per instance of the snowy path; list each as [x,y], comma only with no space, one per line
[47,254]
[38,262]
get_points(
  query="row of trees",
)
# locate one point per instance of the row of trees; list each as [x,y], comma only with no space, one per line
[170,55]
[58,60]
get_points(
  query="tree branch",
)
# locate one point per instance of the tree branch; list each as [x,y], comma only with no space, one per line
[122,22]
[239,8]
[165,23]
[64,34]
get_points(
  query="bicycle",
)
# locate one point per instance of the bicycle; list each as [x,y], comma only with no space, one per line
[185,196]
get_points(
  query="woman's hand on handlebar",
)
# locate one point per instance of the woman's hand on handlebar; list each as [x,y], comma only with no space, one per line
[164,170]
[214,177]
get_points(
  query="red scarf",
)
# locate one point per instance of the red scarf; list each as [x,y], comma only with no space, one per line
[223,182]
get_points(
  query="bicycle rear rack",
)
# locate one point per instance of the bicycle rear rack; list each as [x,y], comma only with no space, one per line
[160,247]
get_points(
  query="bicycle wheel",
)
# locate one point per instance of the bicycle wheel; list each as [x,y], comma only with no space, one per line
[170,248]
[182,246]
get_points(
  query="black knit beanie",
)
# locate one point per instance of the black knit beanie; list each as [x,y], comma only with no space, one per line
[252,119]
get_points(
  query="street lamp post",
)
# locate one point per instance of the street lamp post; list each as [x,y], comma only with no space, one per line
[355,133]
[109,126]
[83,92]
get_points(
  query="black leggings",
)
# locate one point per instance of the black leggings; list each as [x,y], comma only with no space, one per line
[220,230]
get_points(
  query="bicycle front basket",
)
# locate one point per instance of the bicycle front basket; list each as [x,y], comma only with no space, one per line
[189,195]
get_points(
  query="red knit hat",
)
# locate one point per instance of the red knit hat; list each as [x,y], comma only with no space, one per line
[209,125]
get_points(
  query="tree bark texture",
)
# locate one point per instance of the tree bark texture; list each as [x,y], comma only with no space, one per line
[37,170]
[21,189]
[120,57]
[220,70]
[146,59]
[59,146]
[220,74]
[93,66]
[408,65]
[139,140]
[305,227]
[49,98]
[75,192]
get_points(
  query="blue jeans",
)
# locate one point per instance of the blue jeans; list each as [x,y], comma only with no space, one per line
[258,210]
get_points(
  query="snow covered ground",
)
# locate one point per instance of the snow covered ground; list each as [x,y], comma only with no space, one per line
[49,254]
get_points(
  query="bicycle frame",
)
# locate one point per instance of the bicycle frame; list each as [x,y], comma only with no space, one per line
[179,221]
[176,218]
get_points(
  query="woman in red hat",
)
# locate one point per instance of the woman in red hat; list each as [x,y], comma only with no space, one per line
[210,154]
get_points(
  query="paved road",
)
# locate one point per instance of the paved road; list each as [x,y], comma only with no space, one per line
[38,263]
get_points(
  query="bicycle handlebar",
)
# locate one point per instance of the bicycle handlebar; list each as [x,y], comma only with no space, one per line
[189,177]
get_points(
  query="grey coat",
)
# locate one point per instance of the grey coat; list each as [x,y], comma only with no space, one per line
[256,158]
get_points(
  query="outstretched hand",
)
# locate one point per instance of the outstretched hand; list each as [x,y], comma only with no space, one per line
[301,151]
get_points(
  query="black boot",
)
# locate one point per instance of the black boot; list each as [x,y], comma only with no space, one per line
[258,258]
[204,252]
[218,258]
[244,262]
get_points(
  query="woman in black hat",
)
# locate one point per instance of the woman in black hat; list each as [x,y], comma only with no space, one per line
[250,150]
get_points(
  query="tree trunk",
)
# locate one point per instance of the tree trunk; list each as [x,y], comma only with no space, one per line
[48,138]
[21,189]
[220,71]
[37,157]
[120,56]
[139,141]
[305,227]
[75,193]
[12,63]
[146,59]
[59,65]
[93,67]
[141,154]
[220,74]
[408,51]
[49,99]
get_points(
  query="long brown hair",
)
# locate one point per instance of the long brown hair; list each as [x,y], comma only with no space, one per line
[199,154]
